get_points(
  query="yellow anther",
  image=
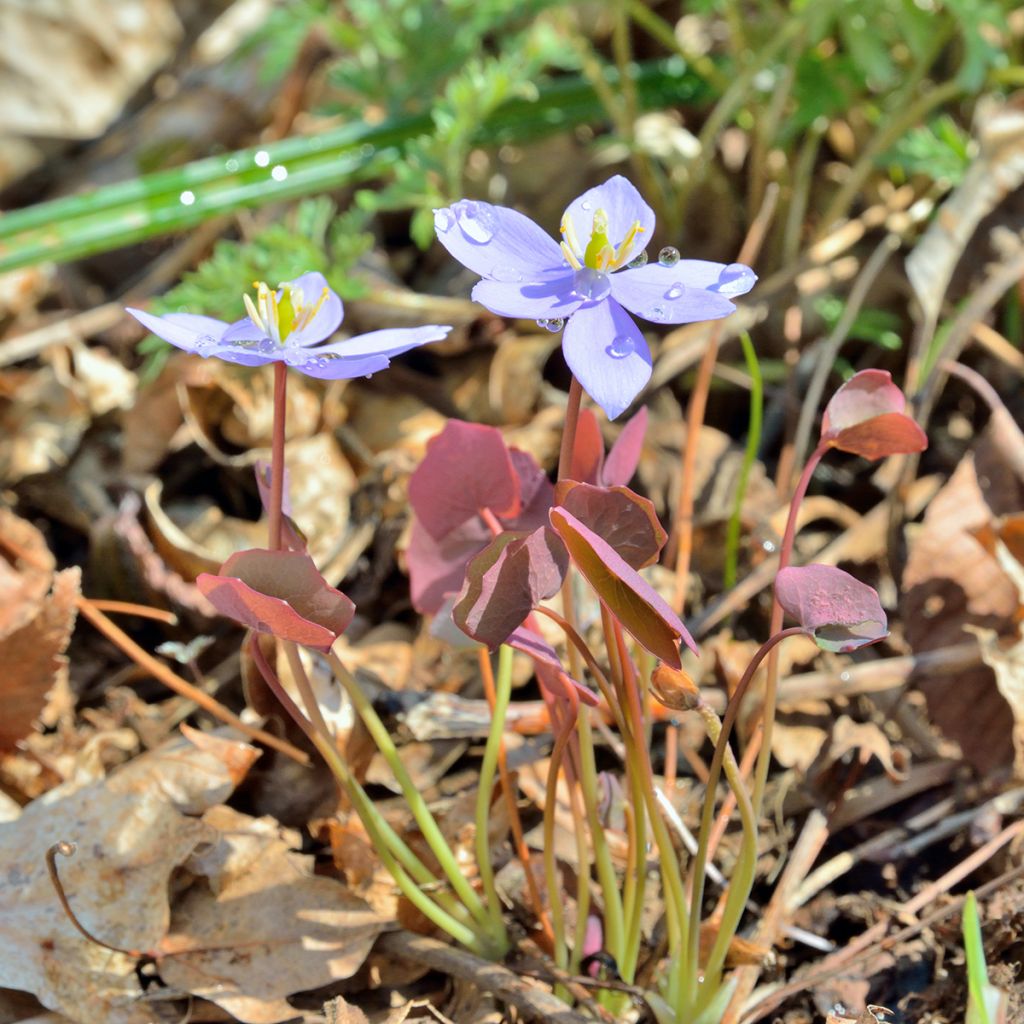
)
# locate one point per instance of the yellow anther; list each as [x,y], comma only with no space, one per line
[569,234]
[625,249]
[570,257]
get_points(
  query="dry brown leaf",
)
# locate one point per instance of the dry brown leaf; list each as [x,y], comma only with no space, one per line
[23,582]
[262,926]
[41,423]
[337,1011]
[951,582]
[33,659]
[131,834]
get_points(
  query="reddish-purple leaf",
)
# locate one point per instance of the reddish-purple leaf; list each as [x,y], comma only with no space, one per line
[466,468]
[533,644]
[889,434]
[837,610]
[437,568]
[624,456]
[618,516]
[536,494]
[506,581]
[588,449]
[291,535]
[281,593]
[865,417]
[633,601]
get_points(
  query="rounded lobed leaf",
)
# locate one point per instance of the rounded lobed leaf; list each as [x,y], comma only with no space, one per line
[281,593]
[644,614]
[619,516]
[865,417]
[504,583]
[838,611]
[467,467]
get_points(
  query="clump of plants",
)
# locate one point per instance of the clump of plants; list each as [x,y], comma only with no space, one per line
[503,554]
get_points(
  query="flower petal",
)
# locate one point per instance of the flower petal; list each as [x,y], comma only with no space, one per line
[390,342]
[624,206]
[335,367]
[497,243]
[186,331]
[609,356]
[243,330]
[550,300]
[672,295]
[327,318]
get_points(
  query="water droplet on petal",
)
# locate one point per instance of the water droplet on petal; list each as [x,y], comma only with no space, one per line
[656,313]
[205,344]
[443,220]
[735,279]
[669,256]
[639,260]
[476,221]
[585,205]
[266,347]
[592,285]
[676,291]
[554,325]
[506,274]
[622,345]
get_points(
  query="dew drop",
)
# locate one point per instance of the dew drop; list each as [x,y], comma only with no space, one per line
[622,345]
[656,313]
[279,172]
[735,279]
[669,256]
[592,285]
[639,260]
[768,546]
[266,347]
[506,274]
[231,165]
[476,221]
[554,325]
[585,205]
[443,220]
[845,677]
[676,291]
[262,158]
[205,344]
[187,198]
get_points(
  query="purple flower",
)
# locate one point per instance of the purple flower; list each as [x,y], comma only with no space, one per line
[588,279]
[287,326]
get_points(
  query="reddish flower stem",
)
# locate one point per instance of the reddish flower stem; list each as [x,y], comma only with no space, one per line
[572,418]
[277,455]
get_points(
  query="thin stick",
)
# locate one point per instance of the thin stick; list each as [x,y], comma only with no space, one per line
[181,686]
[66,849]
[142,611]
[698,404]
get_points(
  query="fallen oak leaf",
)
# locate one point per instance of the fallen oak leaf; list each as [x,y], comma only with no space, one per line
[262,926]
[33,658]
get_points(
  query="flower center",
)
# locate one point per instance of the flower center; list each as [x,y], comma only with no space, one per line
[282,312]
[599,254]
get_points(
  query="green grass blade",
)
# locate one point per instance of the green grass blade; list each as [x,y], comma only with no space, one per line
[732,533]
[177,199]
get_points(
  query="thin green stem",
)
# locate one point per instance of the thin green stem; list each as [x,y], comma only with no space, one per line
[732,533]
[742,878]
[398,859]
[708,813]
[613,918]
[417,805]
[488,771]
[675,896]
[562,733]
